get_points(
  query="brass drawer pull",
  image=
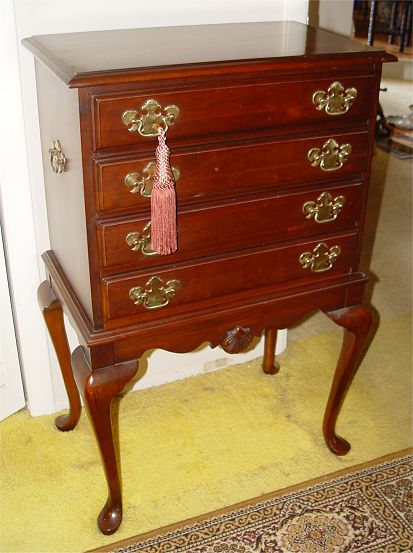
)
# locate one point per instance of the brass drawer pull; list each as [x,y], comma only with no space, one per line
[57,157]
[324,209]
[155,294]
[336,100]
[331,156]
[321,259]
[143,184]
[141,241]
[147,124]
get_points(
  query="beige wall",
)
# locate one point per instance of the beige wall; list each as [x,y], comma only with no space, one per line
[332,15]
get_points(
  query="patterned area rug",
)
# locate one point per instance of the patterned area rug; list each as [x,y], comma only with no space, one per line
[366,509]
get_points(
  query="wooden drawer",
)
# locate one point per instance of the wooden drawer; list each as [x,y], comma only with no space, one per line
[222,228]
[228,108]
[222,277]
[215,173]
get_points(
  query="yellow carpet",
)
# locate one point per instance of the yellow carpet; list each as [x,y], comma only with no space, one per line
[194,446]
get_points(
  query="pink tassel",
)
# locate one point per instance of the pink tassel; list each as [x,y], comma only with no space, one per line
[163,202]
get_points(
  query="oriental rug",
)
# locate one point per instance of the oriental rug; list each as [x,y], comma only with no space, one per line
[368,508]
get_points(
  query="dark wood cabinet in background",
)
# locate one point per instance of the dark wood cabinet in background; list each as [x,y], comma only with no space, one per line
[271,130]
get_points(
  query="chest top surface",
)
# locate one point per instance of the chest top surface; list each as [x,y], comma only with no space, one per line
[81,59]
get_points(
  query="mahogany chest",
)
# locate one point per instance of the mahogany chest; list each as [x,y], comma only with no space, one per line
[271,130]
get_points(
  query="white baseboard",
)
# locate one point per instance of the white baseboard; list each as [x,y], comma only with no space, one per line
[159,367]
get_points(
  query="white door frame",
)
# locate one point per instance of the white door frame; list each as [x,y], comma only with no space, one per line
[19,232]
[11,385]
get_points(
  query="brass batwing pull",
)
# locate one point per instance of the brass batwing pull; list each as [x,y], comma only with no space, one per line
[336,100]
[331,157]
[143,184]
[57,157]
[149,122]
[321,259]
[155,294]
[141,241]
[325,209]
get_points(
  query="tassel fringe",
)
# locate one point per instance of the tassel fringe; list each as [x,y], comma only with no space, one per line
[163,202]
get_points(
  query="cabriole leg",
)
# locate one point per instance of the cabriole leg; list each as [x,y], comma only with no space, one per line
[53,316]
[99,388]
[269,364]
[356,322]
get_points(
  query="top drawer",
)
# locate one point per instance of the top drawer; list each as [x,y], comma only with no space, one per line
[233,108]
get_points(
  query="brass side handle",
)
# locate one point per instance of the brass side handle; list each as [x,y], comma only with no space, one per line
[57,157]
[143,183]
[141,241]
[331,156]
[336,100]
[155,294]
[324,209]
[148,121]
[321,259]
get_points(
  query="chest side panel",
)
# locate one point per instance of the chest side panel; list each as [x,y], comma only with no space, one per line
[59,120]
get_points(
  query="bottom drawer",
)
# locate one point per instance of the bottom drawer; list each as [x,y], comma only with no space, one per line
[171,289]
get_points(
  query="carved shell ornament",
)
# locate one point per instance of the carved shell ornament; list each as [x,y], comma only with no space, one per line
[237,339]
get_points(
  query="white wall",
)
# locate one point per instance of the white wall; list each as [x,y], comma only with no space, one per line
[54,16]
